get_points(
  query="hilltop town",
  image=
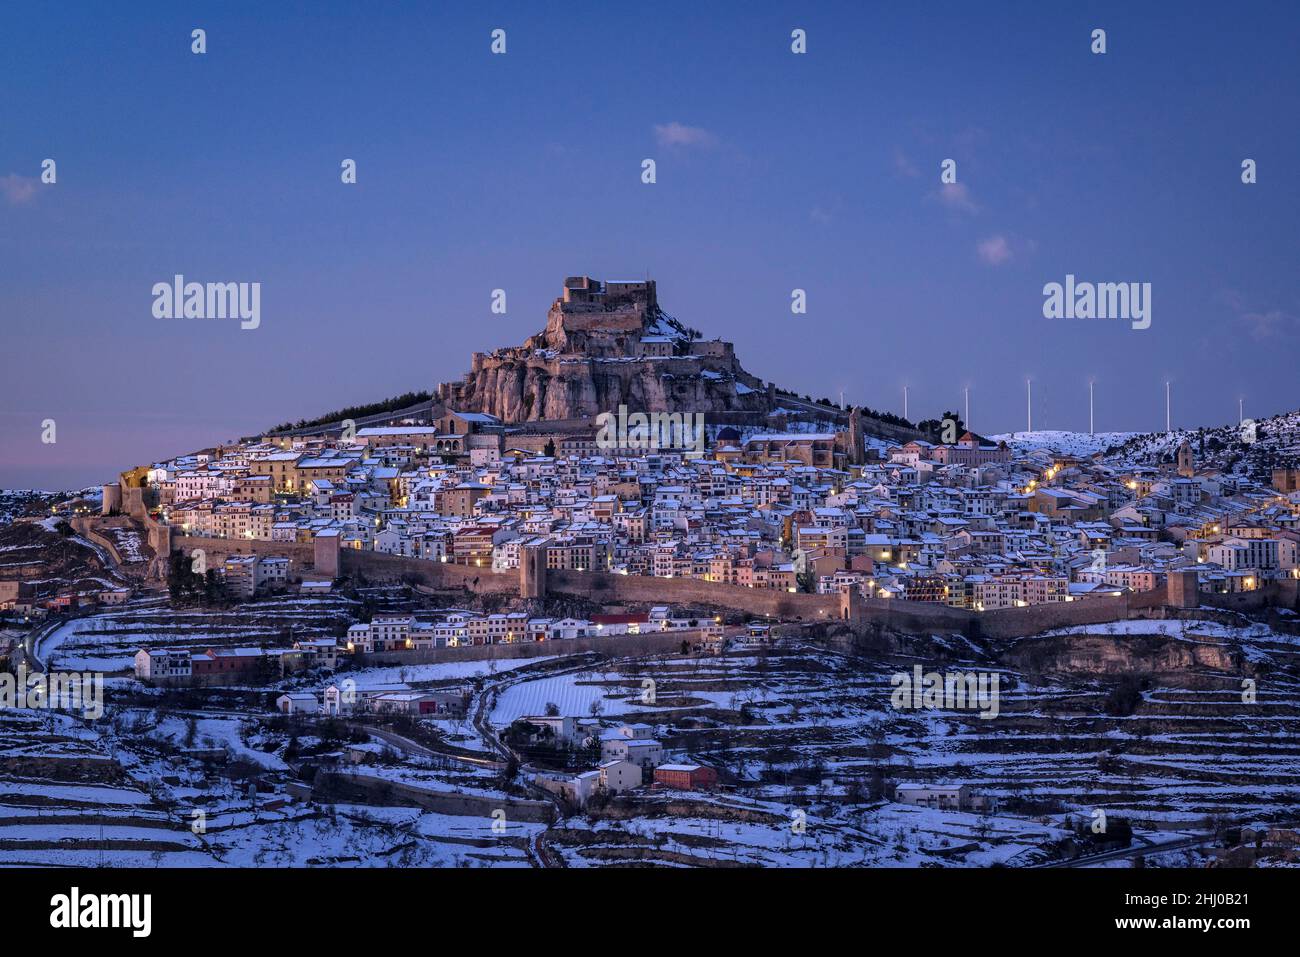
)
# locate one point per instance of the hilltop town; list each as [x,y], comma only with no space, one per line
[790,495]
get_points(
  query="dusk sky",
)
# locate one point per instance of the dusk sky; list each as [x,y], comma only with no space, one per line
[775,171]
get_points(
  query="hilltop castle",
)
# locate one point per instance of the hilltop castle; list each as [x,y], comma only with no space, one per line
[606,344]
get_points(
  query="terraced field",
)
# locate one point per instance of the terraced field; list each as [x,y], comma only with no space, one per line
[108,796]
[798,725]
[108,641]
[1166,724]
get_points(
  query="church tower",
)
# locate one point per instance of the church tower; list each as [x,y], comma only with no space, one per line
[857,446]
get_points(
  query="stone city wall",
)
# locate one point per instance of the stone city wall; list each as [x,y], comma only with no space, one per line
[609,589]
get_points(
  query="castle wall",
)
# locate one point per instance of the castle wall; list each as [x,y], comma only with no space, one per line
[217,550]
[618,589]
[83,526]
[625,321]
[112,499]
[608,589]
[325,555]
[1033,619]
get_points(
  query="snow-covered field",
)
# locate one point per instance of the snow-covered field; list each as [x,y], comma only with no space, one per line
[1066,443]
[802,733]
[1190,750]
[108,642]
[414,675]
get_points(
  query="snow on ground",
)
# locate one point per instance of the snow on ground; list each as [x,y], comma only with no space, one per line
[212,732]
[438,671]
[1169,627]
[345,835]
[1066,443]
[573,694]
[108,641]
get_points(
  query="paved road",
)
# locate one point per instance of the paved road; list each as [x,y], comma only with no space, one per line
[408,746]
[1178,844]
[33,640]
[537,847]
[1134,851]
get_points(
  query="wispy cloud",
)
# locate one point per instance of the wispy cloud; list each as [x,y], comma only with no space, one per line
[679,135]
[957,196]
[1267,325]
[18,190]
[1260,323]
[994,250]
[903,166]
[819,215]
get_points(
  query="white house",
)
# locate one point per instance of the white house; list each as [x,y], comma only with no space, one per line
[297,702]
[564,729]
[163,663]
[951,797]
[340,699]
[646,753]
[584,785]
[618,776]
[359,638]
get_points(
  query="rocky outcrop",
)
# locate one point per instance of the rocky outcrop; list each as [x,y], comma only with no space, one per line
[519,388]
[606,345]
[1119,655]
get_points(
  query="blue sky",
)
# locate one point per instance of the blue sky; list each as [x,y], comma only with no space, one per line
[775,171]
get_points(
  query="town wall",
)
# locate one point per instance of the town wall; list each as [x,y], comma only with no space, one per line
[1246,601]
[610,589]
[619,589]
[1033,619]
[83,526]
[216,550]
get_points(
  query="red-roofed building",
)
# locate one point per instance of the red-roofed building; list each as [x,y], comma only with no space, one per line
[686,777]
[227,663]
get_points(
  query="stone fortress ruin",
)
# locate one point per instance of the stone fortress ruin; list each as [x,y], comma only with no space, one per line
[606,344]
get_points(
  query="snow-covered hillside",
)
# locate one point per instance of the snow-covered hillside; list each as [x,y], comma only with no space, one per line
[1066,443]
[1243,449]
